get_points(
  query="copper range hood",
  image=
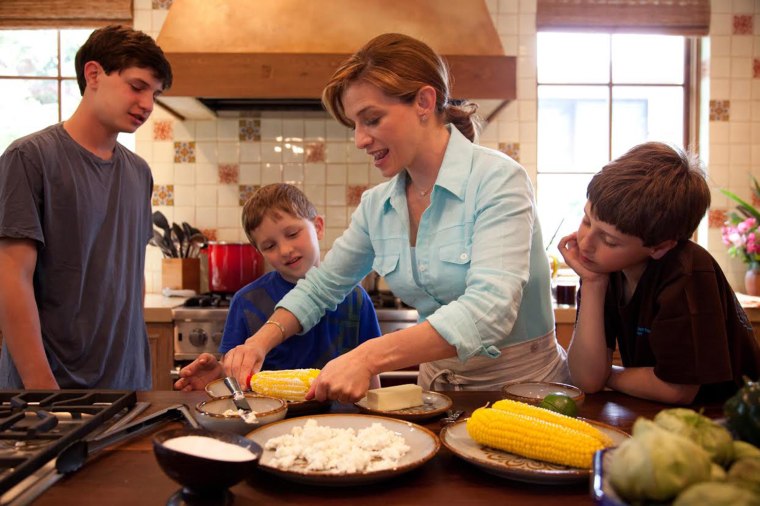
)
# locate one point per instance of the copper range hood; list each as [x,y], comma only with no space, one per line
[259,54]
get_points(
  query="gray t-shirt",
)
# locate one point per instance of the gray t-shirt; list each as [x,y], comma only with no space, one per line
[91,219]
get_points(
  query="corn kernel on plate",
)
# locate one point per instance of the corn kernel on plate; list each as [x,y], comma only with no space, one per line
[508,465]
[423,445]
[434,404]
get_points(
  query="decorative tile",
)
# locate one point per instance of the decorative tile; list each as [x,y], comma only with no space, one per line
[229,173]
[163,130]
[719,110]
[743,24]
[756,68]
[511,149]
[162,4]
[184,152]
[716,218]
[163,195]
[354,194]
[210,233]
[250,130]
[316,152]
[246,190]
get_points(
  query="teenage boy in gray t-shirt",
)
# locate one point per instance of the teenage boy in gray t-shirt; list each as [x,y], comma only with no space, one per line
[75,217]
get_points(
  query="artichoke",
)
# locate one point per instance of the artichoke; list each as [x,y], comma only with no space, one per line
[715,439]
[716,493]
[746,473]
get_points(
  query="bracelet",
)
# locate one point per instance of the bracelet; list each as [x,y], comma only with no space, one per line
[278,325]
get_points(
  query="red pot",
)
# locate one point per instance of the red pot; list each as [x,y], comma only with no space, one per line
[231,266]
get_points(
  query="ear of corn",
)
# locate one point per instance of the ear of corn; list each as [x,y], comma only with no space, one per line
[532,437]
[288,384]
[522,408]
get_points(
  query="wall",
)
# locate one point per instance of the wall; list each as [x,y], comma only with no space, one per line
[204,170]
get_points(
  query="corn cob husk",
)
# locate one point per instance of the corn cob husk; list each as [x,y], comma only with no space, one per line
[288,384]
[533,437]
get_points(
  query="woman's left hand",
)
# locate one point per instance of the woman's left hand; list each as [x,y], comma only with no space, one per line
[344,379]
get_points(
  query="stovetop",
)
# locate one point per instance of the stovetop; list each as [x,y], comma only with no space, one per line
[35,425]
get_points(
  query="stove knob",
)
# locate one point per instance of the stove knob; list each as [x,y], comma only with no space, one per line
[198,337]
[216,337]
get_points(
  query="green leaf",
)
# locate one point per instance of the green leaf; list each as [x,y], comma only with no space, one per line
[743,207]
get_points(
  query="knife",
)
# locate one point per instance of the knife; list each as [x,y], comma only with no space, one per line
[238,397]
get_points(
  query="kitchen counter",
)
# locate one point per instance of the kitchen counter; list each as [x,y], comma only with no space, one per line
[158,309]
[129,474]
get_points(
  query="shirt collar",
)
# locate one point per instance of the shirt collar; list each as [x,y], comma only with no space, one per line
[452,176]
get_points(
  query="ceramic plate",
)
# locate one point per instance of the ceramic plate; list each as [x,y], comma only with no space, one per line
[507,465]
[533,392]
[217,388]
[423,446]
[601,490]
[434,404]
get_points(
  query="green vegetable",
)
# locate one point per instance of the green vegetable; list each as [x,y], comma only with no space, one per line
[744,450]
[746,473]
[656,465]
[714,438]
[561,403]
[717,473]
[716,493]
[743,412]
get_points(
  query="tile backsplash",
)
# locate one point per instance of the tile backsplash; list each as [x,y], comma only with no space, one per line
[204,170]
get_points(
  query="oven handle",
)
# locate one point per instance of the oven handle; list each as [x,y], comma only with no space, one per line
[174,373]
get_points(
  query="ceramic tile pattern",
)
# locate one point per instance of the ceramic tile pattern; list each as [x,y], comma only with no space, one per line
[317,153]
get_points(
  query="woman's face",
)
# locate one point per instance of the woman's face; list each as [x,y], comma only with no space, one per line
[387,129]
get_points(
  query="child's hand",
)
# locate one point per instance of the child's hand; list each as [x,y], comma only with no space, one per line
[568,248]
[199,373]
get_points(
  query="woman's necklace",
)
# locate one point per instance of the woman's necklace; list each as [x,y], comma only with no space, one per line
[423,193]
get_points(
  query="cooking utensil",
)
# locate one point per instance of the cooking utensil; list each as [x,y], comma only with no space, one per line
[197,242]
[161,222]
[158,241]
[238,397]
[452,416]
[231,266]
[178,236]
[74,456]
[188,234]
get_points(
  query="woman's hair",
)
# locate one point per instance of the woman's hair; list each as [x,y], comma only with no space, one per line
[400,65]
[272,200]
[654,192]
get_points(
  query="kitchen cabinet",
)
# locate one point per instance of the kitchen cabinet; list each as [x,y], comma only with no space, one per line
[161,340]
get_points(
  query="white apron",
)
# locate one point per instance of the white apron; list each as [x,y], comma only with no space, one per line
[541,359]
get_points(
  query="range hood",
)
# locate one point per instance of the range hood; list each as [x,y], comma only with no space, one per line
[278,54]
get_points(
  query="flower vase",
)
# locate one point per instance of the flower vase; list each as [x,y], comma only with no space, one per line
[752,280]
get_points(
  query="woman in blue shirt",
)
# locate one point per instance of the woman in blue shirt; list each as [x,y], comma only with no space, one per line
[454,233]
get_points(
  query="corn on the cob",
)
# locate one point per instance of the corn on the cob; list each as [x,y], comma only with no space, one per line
[288,384]
[532,437]
[522,408]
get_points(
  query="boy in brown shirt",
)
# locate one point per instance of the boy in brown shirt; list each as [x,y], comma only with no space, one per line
[662,298]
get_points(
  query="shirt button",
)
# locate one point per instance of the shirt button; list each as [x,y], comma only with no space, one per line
[422,268]
[463,256]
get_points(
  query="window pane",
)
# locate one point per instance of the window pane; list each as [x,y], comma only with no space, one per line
[71,41]
[70,97]
[641,113]
[573,58]
[573,128]
[648,59]
[561,199]
[28,53]
[33,105]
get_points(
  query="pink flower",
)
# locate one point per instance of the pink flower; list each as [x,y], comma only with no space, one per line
[746,225]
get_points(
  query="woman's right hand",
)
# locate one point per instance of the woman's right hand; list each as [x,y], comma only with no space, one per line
[244,360]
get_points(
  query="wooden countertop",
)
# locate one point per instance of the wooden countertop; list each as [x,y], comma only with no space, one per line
[158,309]
[129,474]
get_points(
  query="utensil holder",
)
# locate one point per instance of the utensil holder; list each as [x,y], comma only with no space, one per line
[181,273]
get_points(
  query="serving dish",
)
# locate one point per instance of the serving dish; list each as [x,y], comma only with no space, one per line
[533,392]
[601,490]
[423,445]
[221,414]
[514,467]
[434,404]
[217,388]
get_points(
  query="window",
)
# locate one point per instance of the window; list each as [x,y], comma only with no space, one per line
[38,84]
[600,94]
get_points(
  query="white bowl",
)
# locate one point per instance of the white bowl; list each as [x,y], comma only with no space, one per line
[221,414]
[217,388]
[533,392]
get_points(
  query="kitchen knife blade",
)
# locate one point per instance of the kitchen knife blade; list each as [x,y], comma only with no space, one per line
[238,397]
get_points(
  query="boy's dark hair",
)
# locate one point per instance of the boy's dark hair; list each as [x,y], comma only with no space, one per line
[272,200]
[654,192]
[117,47]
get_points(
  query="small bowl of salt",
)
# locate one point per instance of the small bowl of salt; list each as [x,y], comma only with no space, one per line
[221,414]
[204,462]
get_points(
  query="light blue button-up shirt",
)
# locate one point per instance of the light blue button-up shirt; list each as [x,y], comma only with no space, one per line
[484,281]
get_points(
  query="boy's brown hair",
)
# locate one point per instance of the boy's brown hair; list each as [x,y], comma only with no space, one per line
[272,200]
[116,48]
[654,192]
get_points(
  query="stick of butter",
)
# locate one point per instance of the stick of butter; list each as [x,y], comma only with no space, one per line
[395,397]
